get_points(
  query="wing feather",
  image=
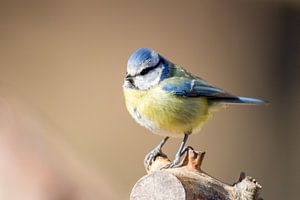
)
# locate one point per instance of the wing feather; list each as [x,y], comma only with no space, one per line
[192,87]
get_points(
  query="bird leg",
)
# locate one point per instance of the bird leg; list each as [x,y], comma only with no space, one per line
[182,149]
[150,157]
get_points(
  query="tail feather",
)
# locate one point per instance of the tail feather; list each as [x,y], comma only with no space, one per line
[241,100]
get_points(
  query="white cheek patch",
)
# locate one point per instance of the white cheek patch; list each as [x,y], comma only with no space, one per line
[148,80]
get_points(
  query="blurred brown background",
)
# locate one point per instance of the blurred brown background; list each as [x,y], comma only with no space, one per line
[65,132]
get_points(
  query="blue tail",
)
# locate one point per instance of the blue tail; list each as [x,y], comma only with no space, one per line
[241,100]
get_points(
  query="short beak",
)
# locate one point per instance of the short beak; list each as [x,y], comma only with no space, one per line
[128,81]
[127,76]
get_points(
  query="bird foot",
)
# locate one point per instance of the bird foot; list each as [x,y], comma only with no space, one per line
[152,155]
[177,162]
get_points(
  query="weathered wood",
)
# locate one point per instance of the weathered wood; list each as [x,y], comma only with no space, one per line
[189,182]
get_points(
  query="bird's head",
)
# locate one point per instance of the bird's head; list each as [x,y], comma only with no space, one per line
[145,68]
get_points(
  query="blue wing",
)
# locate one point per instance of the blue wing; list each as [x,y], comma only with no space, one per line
[192,87]
[196,87]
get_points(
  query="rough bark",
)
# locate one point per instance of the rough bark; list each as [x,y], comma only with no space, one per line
[188,182]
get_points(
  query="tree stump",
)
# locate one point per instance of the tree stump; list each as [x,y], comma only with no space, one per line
[188,182]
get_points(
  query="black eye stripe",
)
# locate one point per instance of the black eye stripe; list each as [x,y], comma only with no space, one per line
[148,69]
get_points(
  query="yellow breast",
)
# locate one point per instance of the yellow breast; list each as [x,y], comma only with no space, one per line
[166,114]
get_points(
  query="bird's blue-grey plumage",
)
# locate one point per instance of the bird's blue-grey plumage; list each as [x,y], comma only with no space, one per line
[143,56]
[146,68]
[192,87]
[196,87]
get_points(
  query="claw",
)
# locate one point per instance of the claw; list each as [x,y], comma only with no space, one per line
[152,155]
[182,150]
[173,164]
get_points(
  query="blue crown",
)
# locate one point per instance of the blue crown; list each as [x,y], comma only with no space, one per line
[141,56]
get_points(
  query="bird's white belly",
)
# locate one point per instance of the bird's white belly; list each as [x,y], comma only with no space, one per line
[144,121]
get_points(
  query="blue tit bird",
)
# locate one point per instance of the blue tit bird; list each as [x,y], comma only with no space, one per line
[170,101]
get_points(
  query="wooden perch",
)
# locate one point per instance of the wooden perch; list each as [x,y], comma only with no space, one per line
[189,182]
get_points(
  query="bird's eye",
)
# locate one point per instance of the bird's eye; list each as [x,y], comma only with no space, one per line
[147,70]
